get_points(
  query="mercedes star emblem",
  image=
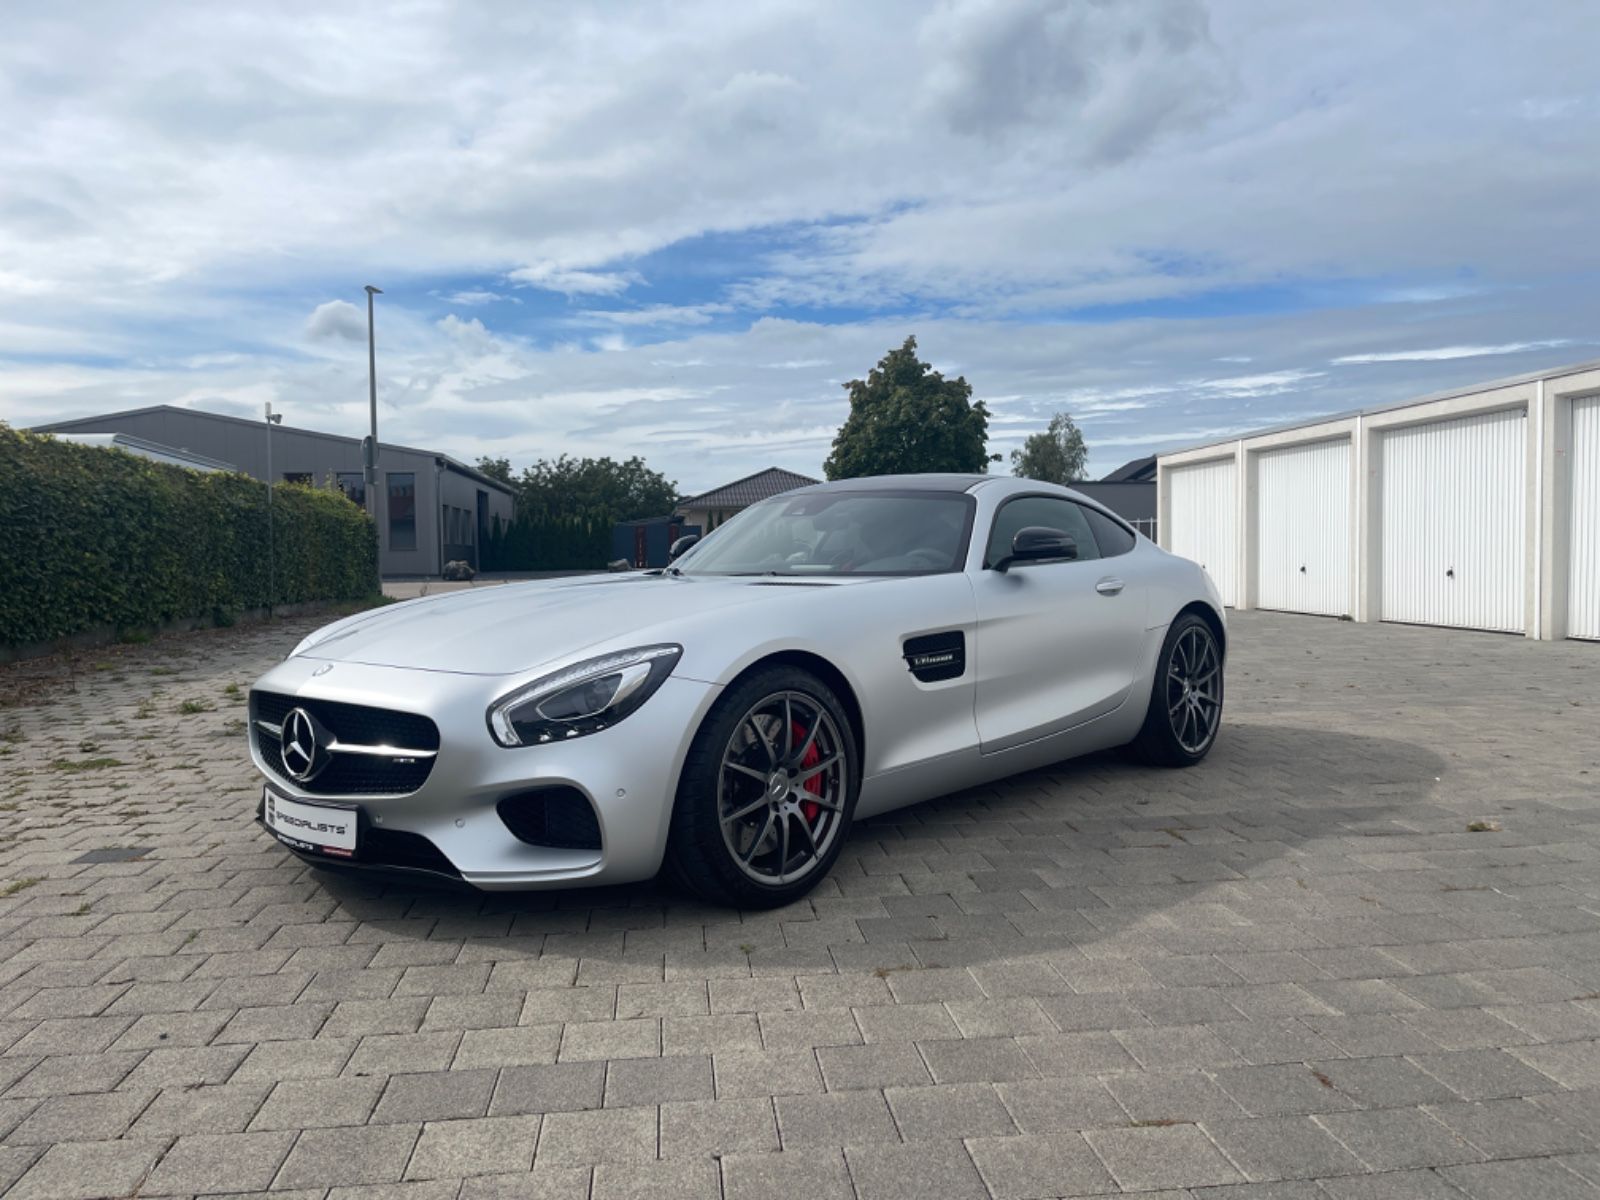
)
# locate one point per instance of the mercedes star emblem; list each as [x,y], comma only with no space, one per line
[299,745]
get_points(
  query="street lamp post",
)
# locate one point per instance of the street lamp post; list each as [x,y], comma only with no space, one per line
[369,466]
[272,419]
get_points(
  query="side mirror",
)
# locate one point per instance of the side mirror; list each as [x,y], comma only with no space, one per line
[1036,543]
[682,545]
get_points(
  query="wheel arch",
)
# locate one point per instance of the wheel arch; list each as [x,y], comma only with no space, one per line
[1211,617]
[829,674]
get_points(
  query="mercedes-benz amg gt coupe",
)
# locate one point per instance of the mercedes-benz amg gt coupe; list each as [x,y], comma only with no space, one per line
[827,655]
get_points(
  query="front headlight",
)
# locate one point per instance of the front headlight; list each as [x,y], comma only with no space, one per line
[584,698]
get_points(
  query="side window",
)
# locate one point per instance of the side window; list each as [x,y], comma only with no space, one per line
[1113,538]
[402,510]
[1048,511]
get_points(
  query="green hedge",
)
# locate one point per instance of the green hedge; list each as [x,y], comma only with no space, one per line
[91,537]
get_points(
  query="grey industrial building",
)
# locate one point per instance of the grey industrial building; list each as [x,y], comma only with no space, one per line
[430,509]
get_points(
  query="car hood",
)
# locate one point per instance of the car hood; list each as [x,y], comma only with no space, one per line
[512,628]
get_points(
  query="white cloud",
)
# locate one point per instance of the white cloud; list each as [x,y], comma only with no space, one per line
[471,328]
[706,406]
[574,283]
[337,319]
[471,299]
[1130,71]
[654,314]
[1268,384]
[1444,353]
[183,188]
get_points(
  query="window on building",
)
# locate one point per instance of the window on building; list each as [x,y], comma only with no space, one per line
[303,477]
[402,510]
[353,486]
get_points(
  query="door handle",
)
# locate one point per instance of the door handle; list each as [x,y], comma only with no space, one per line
[1108,586]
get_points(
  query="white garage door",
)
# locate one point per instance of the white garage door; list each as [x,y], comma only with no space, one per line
[1583,568]
[1303,528]
[1454,522]
[1204,518]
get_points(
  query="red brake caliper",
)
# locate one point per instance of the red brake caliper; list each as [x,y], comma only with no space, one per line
[810,808]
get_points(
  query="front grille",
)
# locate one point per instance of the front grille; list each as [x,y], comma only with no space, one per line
[352,722]
[559,817]
[348,774]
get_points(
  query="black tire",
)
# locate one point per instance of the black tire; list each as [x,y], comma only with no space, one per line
[1171,736]
[702,845]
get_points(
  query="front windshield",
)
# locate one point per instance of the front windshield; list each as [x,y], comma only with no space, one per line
[839,533]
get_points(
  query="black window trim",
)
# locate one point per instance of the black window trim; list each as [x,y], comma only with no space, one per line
[1084,503]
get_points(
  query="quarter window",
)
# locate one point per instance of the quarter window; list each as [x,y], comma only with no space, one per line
[1113,537]
[1051,512]
[402,510]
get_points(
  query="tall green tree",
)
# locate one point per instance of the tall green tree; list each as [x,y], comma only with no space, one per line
[585,488]
[497,468]
[1057,455]
[905,418]
[566,508]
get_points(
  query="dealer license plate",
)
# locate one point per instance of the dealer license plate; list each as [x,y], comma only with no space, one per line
[311,826]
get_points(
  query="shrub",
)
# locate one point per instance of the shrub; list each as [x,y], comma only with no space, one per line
[93,538]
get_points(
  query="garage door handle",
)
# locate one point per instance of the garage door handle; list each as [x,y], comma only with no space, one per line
[1108,587]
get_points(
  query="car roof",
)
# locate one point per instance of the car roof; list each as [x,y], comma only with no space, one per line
[917,483]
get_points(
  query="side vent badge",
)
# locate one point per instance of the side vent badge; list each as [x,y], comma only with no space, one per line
[934,657]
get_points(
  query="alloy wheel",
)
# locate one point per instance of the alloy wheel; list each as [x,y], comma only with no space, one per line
[1194,689]
[781,788]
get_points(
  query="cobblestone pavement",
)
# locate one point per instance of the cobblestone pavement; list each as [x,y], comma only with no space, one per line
[1293,972]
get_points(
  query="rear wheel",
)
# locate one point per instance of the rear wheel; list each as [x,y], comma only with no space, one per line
[767,792]
[1186,698]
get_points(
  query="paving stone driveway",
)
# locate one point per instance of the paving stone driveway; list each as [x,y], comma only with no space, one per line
[1292,972]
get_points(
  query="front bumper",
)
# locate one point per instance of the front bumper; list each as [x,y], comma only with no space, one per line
[628,773]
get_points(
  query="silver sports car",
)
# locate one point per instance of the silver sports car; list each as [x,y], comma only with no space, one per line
[830,654]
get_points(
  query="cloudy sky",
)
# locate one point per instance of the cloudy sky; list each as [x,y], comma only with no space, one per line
[674,229]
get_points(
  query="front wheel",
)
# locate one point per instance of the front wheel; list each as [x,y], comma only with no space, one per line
[1186,698]
[767,792]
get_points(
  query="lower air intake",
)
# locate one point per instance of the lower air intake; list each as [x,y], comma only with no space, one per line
[559,817]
